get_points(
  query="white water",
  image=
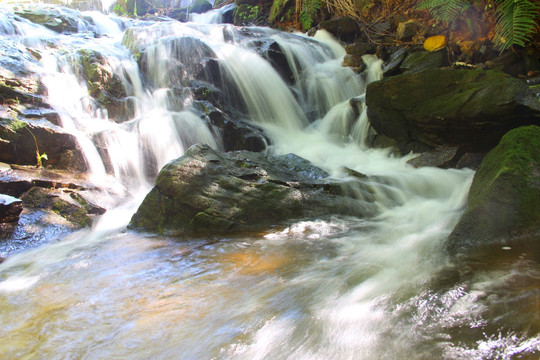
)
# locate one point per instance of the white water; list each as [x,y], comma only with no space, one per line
[334,288]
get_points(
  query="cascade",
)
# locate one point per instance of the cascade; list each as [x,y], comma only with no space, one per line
[339,288]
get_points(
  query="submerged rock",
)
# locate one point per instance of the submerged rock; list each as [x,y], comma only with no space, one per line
[504,200]
[206,191]
[472,109]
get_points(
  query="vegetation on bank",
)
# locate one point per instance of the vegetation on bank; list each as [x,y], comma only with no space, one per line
[507,23]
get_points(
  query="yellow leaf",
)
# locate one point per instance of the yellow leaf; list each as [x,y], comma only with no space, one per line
[434,43]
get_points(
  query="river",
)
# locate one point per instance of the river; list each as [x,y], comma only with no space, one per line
[332,288]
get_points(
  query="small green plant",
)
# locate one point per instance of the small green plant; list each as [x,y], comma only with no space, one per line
[246,13]
[120,10]
[277,9]
[445,10]
[514,23]
[18,125]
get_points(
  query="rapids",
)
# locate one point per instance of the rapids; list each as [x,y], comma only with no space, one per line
[333,288]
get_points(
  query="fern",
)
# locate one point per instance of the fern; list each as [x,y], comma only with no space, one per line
[515,19]
[277,9]
[309,10]
[515,22]
[445,10]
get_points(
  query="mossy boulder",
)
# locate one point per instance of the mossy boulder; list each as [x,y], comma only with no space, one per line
[471,109]
[504,199]
[200,6]
[104,85]
[206,191]
[64,206]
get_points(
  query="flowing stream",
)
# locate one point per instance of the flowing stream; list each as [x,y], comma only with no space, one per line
[338,288]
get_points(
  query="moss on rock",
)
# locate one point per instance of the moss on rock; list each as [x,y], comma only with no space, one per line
[436,107]
[206,191]
[504,200]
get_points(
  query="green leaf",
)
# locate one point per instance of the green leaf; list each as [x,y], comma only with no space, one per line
[515,22]
[445,10]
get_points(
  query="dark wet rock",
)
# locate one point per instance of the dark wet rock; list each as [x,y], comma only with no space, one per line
[407,30]
[467,108]
[274,54]
[361,48]
[422,60]
[509,62]
[206,191]
[204,91]
[504,200]
[239,135]
[470,160]
[442,157]
[227,16]
[392,65]
[10,209]
[200,6]
[236,134]
[345,29]
[15,182]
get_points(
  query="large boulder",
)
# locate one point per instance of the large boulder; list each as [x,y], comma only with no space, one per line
[504,200]
[467,108]
[205,191]
[344,28]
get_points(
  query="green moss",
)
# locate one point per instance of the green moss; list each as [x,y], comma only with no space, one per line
[245,14]
[510,176]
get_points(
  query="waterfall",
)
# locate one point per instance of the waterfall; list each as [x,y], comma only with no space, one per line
[339,288]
